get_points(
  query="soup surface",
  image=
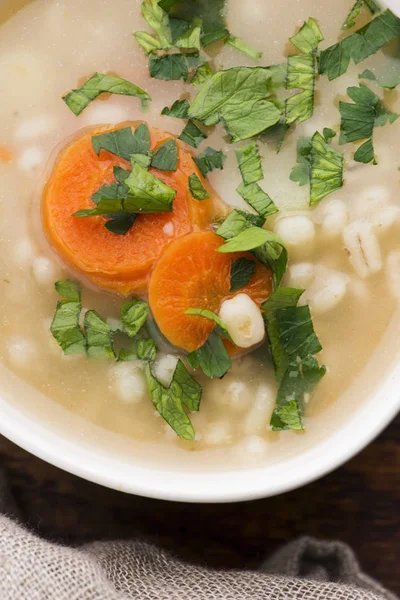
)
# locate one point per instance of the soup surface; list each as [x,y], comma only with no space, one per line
[344,252]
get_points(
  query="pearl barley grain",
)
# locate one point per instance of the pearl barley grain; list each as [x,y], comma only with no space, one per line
[295,231]
[44,271]
[30,159]
[21,351]
[243,320]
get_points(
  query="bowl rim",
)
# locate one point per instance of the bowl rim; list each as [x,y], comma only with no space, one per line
[198,486]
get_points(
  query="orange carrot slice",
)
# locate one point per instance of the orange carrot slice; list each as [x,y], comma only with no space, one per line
[5,155]
[121,264]
[192,274]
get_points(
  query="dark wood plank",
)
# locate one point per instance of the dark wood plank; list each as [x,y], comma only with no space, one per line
[358,503]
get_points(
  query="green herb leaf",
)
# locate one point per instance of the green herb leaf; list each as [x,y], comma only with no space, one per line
[249,239]
[179,109]
[209,160]
[258,199]
[166,4]
[287,417]
[237,221]
[212,357]
[243,47]
[134,314]
[326,169]
[121,223]
[249,161]
[170,67]
[186,387]
[308,37]
[148,42]
[190,38]
[359,119]
[192,134]
[242,270]
[197,189]
[141,159]
[355,11]
[300,74]
[214,35]
[364,42]
[65,325]
[328,134]
[220,328]
[169,403]
[237,97]
[99,336]
[165,158]
[202,74]
[141,349]
[282,297]
[388,81]
[301,172]
[158,20]
[78,100]
[123,142]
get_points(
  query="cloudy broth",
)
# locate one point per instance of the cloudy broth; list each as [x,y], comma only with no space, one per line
[45,49]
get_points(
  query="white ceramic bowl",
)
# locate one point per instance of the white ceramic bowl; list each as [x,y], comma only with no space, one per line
[52,433]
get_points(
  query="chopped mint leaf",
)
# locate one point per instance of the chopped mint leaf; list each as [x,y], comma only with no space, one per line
[169,67]
[166,4]
[328,134]
[202,74]
[282,297]
[141,349]
[388,82]
[78,100]
[212,357]
[192,134]
[300,74]
[178,27]
[197,189]
[326,169]
[148,42]
[242,270]
[158,20]
[308,37]
[186,387]
[220,328]
[209,160]
[65,325]
[120,174]
[320,164]
[169,403]
[237,97]
[214,35]
[258,199]
[287,417]
[144,160]
[189,38]
[237,221]
[355,11]
[99,336]
[274,256]
[165,158]
[364,42]
[359,119]
[121,223]
[249,161]
[243,47]
[179,109]
[194,60]
[249,239]
[134,314]
[122,142]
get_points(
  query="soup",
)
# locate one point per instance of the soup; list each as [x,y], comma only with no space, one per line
[343,250]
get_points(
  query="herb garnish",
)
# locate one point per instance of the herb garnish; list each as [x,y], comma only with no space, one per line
[242,270]
[209,160]
[122,142]
[192,134]
[141,349]
[165,158]
[197,189]
[65,325]
[355,11]
[212,357]
[179,109]
[220,327]
[169,67]
[99,336]
[258,199]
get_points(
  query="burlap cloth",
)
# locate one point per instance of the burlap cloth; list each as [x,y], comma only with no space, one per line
[34,569]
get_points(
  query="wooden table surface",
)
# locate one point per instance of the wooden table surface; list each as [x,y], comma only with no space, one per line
[358,503]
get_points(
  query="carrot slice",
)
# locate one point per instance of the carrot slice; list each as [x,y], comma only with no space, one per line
[121,264]
[5,155]
[192,274]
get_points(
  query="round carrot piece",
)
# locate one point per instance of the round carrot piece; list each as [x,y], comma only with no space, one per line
[192,274]
[119,263]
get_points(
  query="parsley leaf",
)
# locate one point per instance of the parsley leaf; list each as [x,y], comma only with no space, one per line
[355,11]
[243,47]
[308,37]
[209,160]
[212,357]
[388,82]
[202,74]
[179,109]
[65,325]
[300,74]
[169,67]
[78,100]
[301,172]
[158,20]
[134,314]
[186,387]
[169,403]
[220,328]
[258,199]
[237,97]
[122,142]
[99,336]
[359,119]
[242,270]
[335,60]
[197,189]
[282,297]
[141,349]
[165,158]
[249,161]
[237,221]
[120,223]
[192,134]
